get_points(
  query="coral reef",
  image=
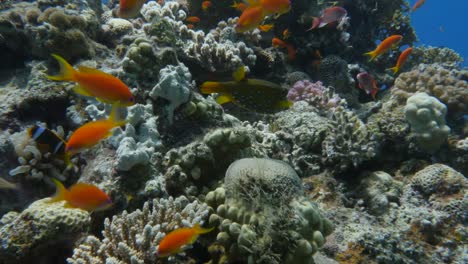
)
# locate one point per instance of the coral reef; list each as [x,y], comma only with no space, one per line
[446,85]
[444,57]
[286,229]
[426,116]
[42,224]
[133,237]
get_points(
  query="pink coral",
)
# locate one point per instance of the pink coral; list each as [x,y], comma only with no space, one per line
[315,94]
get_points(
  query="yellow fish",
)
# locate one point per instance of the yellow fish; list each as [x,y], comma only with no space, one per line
[254,94]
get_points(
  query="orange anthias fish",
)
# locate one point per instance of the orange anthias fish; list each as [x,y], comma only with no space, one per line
[241,6]
[129,8]
[205,5]
[193,19]
[266,27]
[250,19]
[331,15]
[402,59]
[384,46]
[368,84]
[92,133]
[417,5]
[277,7]
[173,242]
[81,195]
[276,42]
[92,82]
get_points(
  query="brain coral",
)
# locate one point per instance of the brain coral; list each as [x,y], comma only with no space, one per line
[449,86]
[40,224]
[264,216]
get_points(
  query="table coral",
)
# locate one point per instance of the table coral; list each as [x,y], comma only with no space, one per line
[134,237]
[42,223]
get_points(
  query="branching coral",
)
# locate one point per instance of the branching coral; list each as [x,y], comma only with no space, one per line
[134,237]
[349,142]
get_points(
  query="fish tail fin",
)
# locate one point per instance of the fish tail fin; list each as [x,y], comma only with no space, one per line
[374,93]
[67,73]
[371,54]
[200,230]
[285,104]
[114,116]
[60,193]
[211,87]
[395,69]
[315,23]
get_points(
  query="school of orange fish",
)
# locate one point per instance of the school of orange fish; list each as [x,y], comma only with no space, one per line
[111,90]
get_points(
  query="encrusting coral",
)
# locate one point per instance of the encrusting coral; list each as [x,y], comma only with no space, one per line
[134,237]
[446,85]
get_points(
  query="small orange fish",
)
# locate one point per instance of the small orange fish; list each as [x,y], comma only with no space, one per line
[92,133]
[276,42]
[205,5]
[402,59]
[241,6]
[277,7]
[81,195]
[417,5]
[266,27]
[250,19]
[92,82]
[173,242]
[286,34]
[384,46]
[191,26]
[193,19]
[129,8]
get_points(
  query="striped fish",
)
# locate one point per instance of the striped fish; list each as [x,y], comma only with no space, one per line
[47,139]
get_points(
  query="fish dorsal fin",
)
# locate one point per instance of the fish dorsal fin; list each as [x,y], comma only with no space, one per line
[85,69]
[239,74]
[253,2]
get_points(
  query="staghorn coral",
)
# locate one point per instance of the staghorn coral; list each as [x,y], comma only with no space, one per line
[349,142]
[317,95]
[41,224]
[134,237]
[426,116]
[446,85]
[286,229]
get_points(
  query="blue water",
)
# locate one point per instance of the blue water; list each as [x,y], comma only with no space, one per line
[442,23]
